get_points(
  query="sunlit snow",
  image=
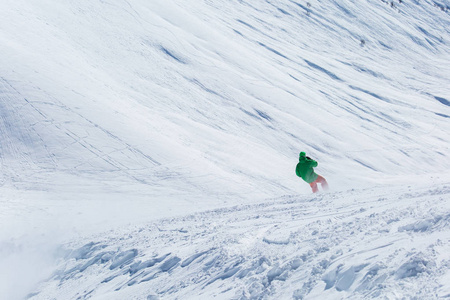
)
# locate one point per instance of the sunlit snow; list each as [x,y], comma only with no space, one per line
[148,149]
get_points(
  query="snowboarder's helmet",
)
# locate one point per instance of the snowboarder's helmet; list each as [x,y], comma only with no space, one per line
[302,154]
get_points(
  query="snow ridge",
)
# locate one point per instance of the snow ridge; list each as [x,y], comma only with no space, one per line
[355,245]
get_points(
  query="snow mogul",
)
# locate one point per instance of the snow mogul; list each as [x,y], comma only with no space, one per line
[305,170]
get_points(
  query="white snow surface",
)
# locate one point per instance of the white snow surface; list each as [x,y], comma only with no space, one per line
[148,149]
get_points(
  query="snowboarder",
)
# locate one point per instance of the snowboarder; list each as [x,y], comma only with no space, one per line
[305,170]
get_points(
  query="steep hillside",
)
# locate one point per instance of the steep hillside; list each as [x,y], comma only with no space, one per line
[223,93]
[125,112]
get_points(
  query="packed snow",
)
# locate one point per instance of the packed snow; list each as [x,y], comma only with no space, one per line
[148,149]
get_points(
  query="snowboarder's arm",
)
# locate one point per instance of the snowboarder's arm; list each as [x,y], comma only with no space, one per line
[297,170]
[312,163]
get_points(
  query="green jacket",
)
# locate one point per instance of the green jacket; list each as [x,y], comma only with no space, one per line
[305,169]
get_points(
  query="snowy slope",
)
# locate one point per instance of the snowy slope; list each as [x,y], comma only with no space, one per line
[359,245]
[126,112]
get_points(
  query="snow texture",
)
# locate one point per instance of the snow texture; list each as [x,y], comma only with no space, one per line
[148,149]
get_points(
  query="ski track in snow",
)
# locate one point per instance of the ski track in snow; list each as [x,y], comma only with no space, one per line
[356,244]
